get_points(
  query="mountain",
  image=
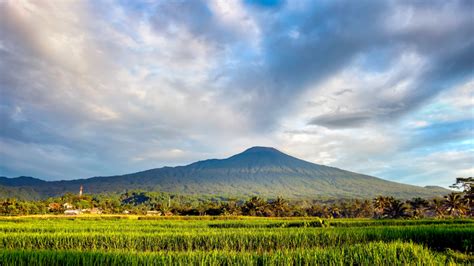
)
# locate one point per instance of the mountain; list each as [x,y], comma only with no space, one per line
[262,171]
[21,181]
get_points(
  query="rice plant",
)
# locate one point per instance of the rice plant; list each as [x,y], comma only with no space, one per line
[68,241]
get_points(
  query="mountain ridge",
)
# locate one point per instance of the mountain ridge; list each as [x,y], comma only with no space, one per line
[263,171]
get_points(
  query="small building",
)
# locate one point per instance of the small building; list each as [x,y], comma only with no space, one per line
[96,211]
[54,207]
[154,213]
[72,212]
[92,211]
[68,206]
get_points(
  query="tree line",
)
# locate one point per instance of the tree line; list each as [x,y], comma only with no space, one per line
[456,204]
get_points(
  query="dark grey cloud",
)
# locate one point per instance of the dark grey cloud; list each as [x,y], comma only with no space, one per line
[342,120]
[341,92]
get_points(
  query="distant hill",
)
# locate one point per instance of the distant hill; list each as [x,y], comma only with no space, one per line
[261,171]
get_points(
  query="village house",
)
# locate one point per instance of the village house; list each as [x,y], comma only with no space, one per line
[72,212]
[54,207]
[69,207]
[92,211]
[154,213]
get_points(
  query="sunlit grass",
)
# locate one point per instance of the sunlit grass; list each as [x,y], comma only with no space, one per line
[118,239]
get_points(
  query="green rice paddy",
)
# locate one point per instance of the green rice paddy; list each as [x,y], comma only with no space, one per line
[132,240]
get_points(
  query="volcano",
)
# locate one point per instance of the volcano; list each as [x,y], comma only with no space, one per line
[262,171]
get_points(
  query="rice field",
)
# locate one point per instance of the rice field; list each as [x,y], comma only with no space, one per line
[144,240]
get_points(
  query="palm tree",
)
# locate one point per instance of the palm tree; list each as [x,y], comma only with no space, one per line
[347,209]
[366,209]
[231,207]
[359,209]
[418,206]
[437,206]
[356,209]
[467,185]
[314,210]
[326,212]
[335,211]
[395,209]
[254,207]
[455,204]
[380,203]
[280,206]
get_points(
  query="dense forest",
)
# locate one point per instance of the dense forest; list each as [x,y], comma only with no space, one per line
[455,204]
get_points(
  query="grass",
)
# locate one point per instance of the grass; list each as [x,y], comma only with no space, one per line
[377,253]
[250,241]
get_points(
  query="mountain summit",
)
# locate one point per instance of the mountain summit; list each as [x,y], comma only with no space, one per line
[265,155]
[262,171]
[255,158]
[261,149]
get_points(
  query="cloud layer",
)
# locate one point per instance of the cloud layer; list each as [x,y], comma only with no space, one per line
[100,88]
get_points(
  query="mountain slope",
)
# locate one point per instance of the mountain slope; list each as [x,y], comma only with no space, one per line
[257,171]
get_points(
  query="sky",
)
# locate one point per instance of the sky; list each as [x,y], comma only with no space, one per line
[94,88]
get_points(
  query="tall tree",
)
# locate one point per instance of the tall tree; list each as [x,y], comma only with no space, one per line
[367,209]
[455,204]
[380,203]
[255,207]
[438,207]
[231,207]
[280,207]
[395,209]
[467,186]
[418,206]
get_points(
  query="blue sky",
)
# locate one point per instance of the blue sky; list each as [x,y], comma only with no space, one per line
[91,88]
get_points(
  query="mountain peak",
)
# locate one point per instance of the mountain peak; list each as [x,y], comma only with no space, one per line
[260,156]
[261,149]
[257,157]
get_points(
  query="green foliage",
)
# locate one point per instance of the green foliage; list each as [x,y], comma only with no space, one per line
[395,209]
[456,204]
[140,202]
[467,201]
